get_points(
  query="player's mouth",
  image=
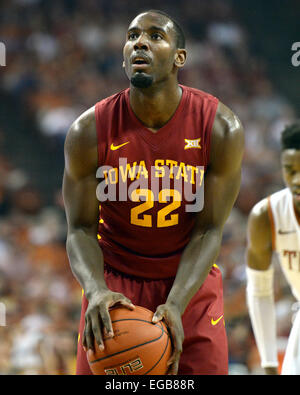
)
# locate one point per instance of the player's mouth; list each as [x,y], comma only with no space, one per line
[140,62]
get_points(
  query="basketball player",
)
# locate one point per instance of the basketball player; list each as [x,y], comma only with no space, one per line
[149,250]
[273,226]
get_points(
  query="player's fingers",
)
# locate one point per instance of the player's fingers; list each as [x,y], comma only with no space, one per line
[106,321]
[96,328]
[158,315]
[173,370]
[177,339]
[174,357]
[127,303]
[84,343]
[88,337]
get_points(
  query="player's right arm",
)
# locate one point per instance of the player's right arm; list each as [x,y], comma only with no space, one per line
[260,294]
[82,212]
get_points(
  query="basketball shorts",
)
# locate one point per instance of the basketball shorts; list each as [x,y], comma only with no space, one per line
[205,349]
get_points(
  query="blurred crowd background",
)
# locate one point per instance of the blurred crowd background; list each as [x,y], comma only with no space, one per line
[62,57]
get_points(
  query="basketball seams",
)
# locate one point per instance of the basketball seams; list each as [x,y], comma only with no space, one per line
[168,339]
[131,348]
[138,319]
[154,362]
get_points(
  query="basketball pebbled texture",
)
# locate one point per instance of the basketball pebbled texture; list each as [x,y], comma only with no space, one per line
[138,347]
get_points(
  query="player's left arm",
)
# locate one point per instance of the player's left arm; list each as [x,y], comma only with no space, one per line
[221,187]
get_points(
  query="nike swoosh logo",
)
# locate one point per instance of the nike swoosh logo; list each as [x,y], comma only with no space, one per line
[115,147]
[214,322]
[285,232]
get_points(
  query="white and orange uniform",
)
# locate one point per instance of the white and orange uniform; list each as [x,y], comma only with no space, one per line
[286,244]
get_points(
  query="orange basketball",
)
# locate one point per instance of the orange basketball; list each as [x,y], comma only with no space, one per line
[138,347]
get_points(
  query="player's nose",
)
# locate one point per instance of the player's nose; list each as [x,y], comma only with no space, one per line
[141,43]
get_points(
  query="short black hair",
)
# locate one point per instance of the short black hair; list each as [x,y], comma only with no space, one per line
[180,37]
[290,136]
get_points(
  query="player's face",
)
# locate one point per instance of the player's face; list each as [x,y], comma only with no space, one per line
[150,50]
[290,160]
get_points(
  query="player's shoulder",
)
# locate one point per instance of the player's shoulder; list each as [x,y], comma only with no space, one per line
[227,125]
[227,140]
[81,154]
[198,94]
[259,228]
[279,196]
[82,132]
[260,210]
[227,135]
[112,100]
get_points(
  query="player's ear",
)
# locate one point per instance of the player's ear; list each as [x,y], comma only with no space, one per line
[123,64]
[180,58]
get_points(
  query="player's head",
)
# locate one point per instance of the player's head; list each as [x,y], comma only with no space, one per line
[290,159]
[154,50]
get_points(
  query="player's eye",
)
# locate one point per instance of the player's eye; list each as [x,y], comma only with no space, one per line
[132,36]
[290,170]
[156,36]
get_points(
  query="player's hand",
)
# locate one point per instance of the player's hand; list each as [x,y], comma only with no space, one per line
[271,371]
[97,318]
[172,317]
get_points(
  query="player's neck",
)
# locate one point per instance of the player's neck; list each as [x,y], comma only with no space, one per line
[155,106]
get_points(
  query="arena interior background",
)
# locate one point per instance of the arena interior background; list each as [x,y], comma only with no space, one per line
[62,56]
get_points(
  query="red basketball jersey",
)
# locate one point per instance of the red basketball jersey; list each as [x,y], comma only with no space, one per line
[148,180]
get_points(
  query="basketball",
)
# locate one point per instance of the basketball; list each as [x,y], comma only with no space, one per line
[138,347]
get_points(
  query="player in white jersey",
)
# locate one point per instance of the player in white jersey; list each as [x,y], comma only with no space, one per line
[274,227]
